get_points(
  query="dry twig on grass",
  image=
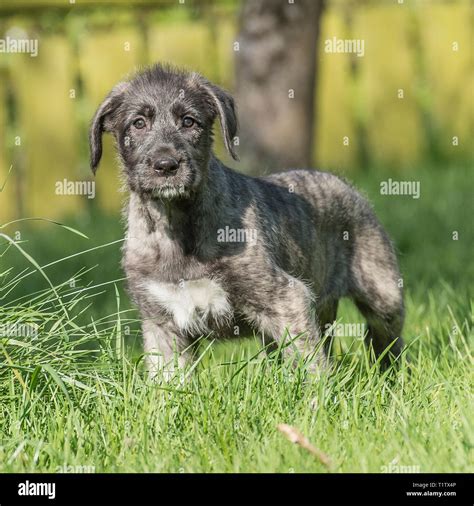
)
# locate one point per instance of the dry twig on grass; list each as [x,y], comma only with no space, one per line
[295,436]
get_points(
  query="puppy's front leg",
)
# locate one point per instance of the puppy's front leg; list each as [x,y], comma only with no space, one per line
[167,351]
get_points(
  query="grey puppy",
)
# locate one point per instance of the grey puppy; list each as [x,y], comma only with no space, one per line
[209,250]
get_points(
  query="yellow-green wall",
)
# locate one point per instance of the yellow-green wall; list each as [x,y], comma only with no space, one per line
[52,125]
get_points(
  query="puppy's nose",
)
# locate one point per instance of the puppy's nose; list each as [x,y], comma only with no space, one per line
[166,165]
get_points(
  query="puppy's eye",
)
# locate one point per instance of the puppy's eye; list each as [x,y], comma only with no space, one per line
[188,122]
[139,123]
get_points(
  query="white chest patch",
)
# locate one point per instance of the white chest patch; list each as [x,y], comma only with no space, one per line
[192,303]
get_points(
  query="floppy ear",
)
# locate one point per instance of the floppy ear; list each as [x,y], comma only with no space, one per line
[99,124]
[225,108]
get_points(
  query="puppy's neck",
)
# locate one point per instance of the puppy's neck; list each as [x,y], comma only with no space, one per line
[189,222]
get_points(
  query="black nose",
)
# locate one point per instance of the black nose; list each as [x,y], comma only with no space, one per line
[166,165]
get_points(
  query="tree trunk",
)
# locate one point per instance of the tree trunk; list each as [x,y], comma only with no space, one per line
[275,82]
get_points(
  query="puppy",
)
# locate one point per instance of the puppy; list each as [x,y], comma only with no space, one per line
[209,250]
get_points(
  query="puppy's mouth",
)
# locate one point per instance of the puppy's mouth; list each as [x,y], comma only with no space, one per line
[170,191]
[177,185]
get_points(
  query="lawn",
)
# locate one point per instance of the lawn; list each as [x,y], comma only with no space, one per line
[74,396]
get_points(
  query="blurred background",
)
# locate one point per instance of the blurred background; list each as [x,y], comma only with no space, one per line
[401,109]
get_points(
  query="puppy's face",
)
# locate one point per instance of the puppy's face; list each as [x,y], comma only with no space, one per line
[162,122]
[163,135]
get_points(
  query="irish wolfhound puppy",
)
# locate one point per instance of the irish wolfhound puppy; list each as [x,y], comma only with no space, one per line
[210,250]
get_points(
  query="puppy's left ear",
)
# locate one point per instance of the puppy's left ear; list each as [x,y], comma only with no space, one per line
[100,125]
[225,107]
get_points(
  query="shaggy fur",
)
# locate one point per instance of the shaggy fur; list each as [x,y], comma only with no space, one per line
[209,250]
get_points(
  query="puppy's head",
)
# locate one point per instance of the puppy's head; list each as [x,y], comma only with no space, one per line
[162,123]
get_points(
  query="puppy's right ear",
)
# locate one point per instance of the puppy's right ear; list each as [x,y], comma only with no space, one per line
[99,124]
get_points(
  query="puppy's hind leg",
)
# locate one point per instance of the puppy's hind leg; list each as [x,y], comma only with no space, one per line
[290,321]
[376,290]
[326,316]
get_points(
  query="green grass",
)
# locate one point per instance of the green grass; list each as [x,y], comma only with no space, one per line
[74,394]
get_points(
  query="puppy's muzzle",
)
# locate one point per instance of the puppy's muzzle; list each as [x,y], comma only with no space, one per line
[166,166]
